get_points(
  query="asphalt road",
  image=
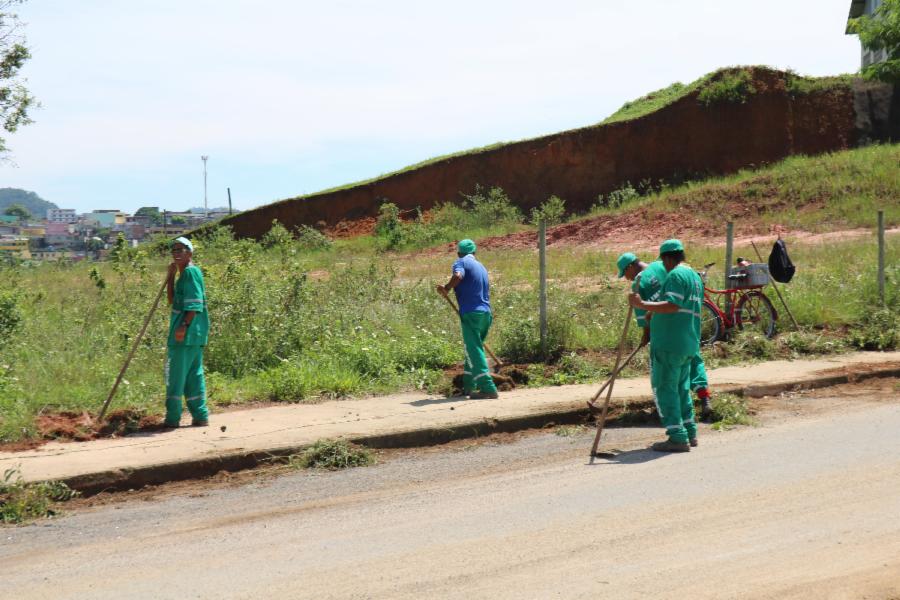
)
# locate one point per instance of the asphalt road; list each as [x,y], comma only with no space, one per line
[806,505]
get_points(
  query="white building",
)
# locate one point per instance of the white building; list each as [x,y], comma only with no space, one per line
[859,8]
[62,215]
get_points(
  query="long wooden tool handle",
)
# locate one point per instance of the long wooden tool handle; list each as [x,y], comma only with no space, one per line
[777,291]
[134,347]
[612,381]
[615,373]
[487,348]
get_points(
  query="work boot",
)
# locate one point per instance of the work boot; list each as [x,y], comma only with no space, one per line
[166,426]
[199,422]
[693,442]
[670,446]
[484,396]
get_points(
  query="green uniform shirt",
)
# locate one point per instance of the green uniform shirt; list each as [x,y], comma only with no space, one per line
[648,285]
[679,333]
[190,294]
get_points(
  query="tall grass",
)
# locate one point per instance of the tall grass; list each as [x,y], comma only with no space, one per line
[299,322]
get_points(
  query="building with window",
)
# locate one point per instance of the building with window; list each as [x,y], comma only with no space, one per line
[859,8]
[62,215]
[15,246]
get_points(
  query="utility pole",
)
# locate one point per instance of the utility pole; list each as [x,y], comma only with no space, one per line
[205,207]
[229,201]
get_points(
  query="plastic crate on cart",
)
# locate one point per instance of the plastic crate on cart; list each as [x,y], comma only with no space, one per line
[753,275]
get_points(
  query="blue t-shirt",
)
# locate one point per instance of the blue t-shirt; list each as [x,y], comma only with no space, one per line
[473,292]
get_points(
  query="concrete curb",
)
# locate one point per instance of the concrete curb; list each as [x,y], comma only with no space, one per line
[125,479]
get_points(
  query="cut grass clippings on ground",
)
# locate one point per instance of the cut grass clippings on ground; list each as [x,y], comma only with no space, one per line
[730,411]
[332,455]
[22,501]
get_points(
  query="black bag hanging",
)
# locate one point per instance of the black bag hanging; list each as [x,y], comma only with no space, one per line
[780,266]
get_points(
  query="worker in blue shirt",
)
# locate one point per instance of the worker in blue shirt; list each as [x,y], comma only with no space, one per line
[470,283]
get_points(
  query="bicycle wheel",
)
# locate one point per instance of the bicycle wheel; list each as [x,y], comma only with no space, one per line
[754,311]
[710,323]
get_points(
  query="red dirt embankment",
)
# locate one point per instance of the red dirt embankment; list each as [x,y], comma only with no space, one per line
[684,140]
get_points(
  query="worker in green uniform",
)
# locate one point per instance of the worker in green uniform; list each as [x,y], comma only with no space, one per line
[469,280]
[188,335]
[674,342]
[647,281]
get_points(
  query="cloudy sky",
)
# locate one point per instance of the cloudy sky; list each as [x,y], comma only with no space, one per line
[291,97]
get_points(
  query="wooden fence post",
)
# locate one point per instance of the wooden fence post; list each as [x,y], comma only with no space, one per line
[881,257]
[542,260]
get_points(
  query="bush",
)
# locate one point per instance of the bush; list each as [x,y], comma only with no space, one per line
[520,340]
[735,87]
[551,212]
[310,238]
[10,316]
[878,330]
[277,237]
[617,198]
[296,382]
[491,209]
[21,501]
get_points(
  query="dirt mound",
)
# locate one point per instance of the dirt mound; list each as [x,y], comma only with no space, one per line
[506,378]
[685,140]
[82,427]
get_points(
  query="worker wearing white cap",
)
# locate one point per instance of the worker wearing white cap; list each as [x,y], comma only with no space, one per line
[188,335]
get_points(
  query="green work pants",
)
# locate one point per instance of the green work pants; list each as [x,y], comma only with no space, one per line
[670,377]
[698,373]
[184,377]
[476,374]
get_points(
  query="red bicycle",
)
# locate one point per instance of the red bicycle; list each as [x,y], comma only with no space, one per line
[744,305]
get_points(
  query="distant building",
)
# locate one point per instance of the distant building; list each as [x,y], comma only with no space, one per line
[859,8]
[33,230]
[62,215]
[106,218]
[15,246]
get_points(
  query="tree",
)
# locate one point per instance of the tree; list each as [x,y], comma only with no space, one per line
[15,100]
[17,210]
[152,212]
[881,31]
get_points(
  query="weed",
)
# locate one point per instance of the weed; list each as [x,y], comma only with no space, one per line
[616,198]
[735,87]
[310,238]
[10,316]
[21,501]
[753,344]
[569,430]
[879,330]
[729,411]
[810,342]
[332,455]
[550,212]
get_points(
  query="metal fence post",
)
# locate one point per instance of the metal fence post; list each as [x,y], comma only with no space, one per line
[881,257]
[542,260]
[729,250]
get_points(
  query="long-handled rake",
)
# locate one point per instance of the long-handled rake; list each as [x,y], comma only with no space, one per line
[609,384]
[134,347]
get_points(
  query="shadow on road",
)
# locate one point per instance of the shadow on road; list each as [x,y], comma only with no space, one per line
[629,457]
[429,401]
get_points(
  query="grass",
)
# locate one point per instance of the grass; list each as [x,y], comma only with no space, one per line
[296,320]
[730,411]
[21,501]
[331,455]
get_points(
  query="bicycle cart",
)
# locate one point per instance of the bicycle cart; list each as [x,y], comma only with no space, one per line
[744,305]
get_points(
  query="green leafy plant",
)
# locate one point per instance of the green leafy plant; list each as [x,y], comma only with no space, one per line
[881,31]
[550,212]
[22,501]
[878,330]
[734,87]
[729,410]
[10,316]
[310,238]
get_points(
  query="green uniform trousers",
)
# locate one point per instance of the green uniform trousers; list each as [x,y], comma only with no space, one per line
[698,373]
[184,377]
[476,374]
[670,377]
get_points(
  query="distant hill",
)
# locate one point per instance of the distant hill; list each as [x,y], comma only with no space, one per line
[36,205]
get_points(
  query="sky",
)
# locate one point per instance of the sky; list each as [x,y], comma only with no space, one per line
[288,97]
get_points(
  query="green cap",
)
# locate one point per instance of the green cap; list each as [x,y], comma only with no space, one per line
[672,245]
[184,242]
[466,247]
[623,262]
